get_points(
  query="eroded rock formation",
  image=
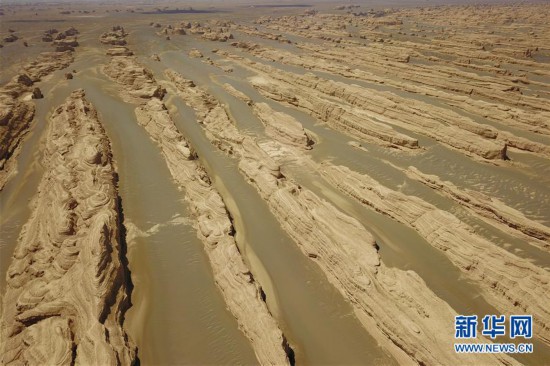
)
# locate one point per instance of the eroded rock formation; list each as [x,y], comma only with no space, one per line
[126,71]
[240,289]
[67,287]
[395,306]
[348,119]
[16,115]
[282,126]
[116,36]
[17,112]
[511,283]
[490,208]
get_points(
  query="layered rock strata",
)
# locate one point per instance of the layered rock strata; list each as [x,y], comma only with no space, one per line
[282,126]
[352,121]
[241,291]
[17,111]
[510,283]
[493,210]
[16,115]
[395,306]
[316,95]
[443,59]
[67,286]
[140,82]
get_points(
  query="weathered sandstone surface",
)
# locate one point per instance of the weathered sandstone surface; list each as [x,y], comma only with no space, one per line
[282,126]
[418,57]
[382,108]
[490,208]
[345,118]
[237,93]
[46,63]
[241,291]
[116,36]
[213,30]
[395,306]
[140,82]
[67,287]
[16,115]
[195,53]
[512,284]
[17,112]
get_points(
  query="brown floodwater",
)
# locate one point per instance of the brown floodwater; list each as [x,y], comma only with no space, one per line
[178,314]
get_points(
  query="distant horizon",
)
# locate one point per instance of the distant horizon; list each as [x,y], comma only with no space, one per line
[251,2]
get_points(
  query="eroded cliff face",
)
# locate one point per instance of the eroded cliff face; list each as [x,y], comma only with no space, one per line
[68,286]
[16,115]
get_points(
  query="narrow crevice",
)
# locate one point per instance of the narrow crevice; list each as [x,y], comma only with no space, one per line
[289,352]
[126,273]
[233,232]
[73,343]
[262,294]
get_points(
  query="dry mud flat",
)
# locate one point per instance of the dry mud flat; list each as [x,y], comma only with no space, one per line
[67,284]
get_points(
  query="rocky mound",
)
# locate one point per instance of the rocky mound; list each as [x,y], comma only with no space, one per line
[115,37]
[282,126]
[138,80]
